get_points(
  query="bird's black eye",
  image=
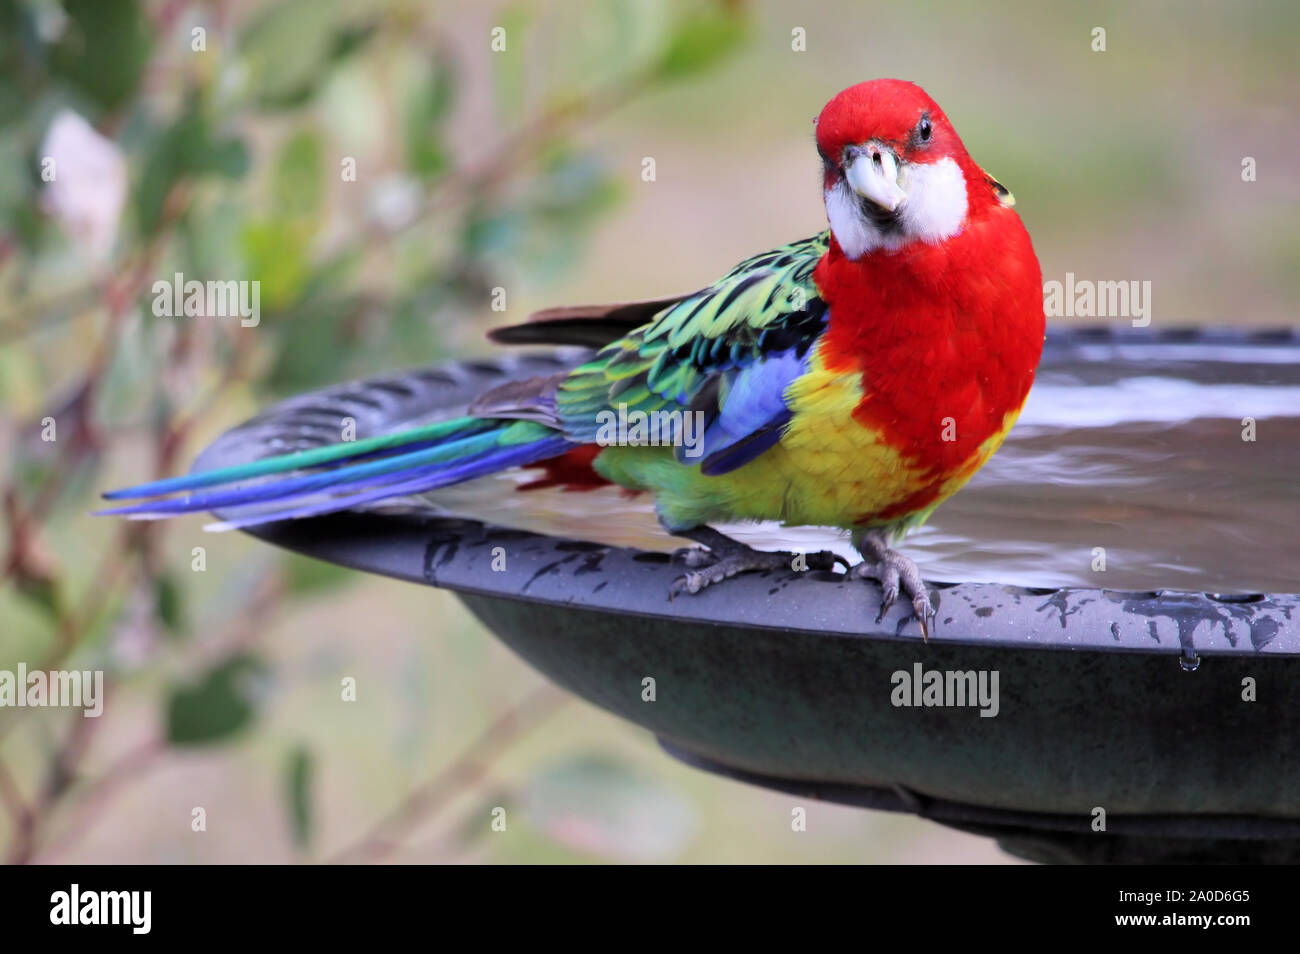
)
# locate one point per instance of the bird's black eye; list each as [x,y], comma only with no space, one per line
[924,130]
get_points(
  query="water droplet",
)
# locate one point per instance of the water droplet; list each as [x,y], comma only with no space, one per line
[1189,663]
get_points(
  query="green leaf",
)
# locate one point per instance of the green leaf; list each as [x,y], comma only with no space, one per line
[162,169]
[299,774]
[41,591]
[701,41]
[219,705]
[426,157]
[275,252]
[298,183]
[22,73]
[186,148]
[277,249]
[426,109]
[435,97]
[103,50]
[170,603]
[288,50]
[228,157]
[351,39]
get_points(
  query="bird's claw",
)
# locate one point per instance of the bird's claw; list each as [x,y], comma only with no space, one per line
[720,569]
[823,560]
[706,567]
[925,612]
[680,584]
[836,560]
[696,556]
[896,572]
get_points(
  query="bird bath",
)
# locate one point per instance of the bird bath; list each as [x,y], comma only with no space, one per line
[1125,569]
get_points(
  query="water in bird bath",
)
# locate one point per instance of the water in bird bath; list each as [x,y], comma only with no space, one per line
[1133,467]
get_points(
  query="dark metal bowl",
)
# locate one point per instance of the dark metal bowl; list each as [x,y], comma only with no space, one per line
[1131,702]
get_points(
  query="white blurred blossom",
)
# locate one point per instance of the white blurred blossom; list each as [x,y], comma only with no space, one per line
[86,183]
[395,201]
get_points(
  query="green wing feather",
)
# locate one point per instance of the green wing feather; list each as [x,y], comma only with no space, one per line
[679,359]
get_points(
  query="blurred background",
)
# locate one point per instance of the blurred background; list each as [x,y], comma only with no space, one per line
[381,167]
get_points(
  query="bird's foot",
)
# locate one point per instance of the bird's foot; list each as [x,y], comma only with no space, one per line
[694,557]
[894,571]
[706,567]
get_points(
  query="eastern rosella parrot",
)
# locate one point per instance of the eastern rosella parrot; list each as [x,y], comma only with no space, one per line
[855,379]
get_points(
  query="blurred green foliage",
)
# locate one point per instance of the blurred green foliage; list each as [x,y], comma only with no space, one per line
[221,704]
[307,145]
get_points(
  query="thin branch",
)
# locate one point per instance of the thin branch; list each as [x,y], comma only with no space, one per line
[467,770]
[24,819]
[97,794]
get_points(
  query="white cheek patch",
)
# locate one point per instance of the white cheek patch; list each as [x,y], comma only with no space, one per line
[934,210]
[855,234]
[936,200]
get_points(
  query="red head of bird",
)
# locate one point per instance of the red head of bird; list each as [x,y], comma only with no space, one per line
[895,170]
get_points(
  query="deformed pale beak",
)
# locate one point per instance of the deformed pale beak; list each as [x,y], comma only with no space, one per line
[872,172]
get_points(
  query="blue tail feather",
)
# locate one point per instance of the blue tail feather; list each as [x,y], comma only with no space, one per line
[337,477]
[308,483]
[419,480]
[429,435]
